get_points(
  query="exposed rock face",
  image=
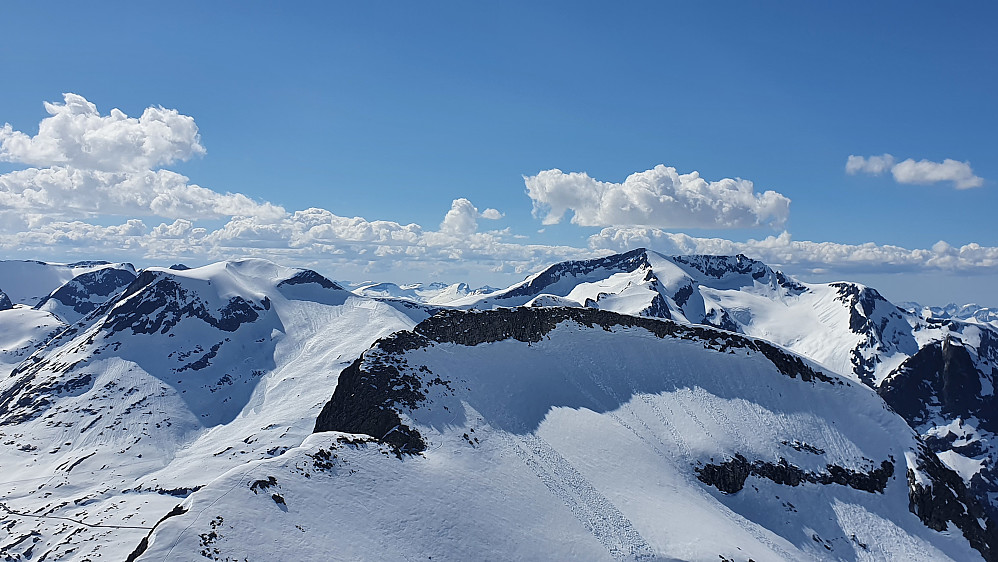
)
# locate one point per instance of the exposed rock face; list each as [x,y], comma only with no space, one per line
[940,391]
[883,326]
[365,401]
[308,276]
[5,303]
[729,476]
[718,267]
[946,499]
[164,302]
[941,379]
[86,292]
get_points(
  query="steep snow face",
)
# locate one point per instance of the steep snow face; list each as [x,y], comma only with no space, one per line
[178,378]
[22,332]
[846,327]
[579,434]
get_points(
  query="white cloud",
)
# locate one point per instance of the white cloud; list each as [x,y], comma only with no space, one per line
[659,197]
[461,218]
[874,165]
[88,165]
[783,251]
[93,188]
[67,192]
[75,134]
[921,172]
[925,172]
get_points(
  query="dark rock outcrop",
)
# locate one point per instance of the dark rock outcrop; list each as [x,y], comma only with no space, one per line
[941,377]
[158,303]
[86,292]
[947,500]
[308,276]
[729,476]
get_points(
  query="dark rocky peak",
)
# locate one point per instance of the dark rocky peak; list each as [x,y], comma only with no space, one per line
[156,301]
[865,303]
[722,266]
[5,303]
[90,263]
[306,276]
[943,379]
[86,292]
[884,328]
[626,262]
[737,266]
[179,267]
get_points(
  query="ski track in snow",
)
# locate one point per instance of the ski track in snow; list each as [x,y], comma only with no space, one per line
[598,514]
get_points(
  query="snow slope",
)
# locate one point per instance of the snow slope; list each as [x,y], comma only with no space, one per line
[573,434]
[183,376]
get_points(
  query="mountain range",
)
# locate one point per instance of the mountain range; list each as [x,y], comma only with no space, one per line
[631,407]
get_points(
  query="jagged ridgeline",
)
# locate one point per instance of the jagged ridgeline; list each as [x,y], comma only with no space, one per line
[634,406]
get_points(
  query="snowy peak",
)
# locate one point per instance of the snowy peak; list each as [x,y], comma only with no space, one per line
[28,282]
[86,292]
[723,272]
[561,275]
[430,293]
[157,301]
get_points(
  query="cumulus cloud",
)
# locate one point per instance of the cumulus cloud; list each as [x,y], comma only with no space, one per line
[76,134]
[659,197]
[783,251]
[62,191]
[94,189]
[461,218]
[874,165]
[921,172]
[87,165]
[926,172]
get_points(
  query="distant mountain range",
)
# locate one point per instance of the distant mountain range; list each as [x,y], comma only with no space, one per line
[632,407]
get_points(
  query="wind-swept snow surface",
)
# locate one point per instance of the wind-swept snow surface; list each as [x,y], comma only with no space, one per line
[566,433]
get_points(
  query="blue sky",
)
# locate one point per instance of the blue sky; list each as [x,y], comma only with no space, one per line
[392,111]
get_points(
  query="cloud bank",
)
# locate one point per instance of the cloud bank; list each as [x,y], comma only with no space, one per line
[660,197]
[94,188]
[783,251]
[922,172]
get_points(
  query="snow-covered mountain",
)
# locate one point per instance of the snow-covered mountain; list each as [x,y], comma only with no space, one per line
[430,293]
[637,406]
[849,328]
[182,376]
[561,433]
[968,312]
